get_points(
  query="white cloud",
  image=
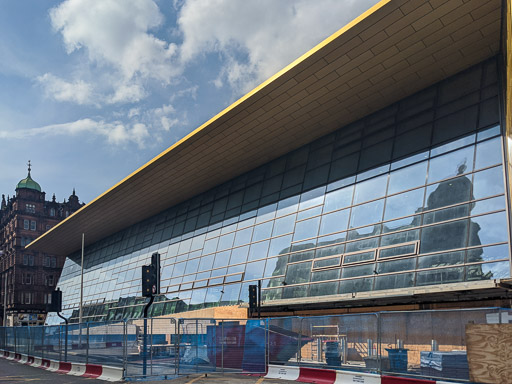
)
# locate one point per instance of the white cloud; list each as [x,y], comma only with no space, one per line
[78,91]
[114,132]
[116,33]
[259,37]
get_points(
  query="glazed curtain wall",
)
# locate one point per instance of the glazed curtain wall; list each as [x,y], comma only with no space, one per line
[413,195]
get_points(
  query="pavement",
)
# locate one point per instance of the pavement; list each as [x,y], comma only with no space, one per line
[13,372]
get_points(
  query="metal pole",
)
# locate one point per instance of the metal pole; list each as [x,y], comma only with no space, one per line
[65,337]
[145,341]
[259,299]
[81,283]
[87,347]
[222,344]
[5,301]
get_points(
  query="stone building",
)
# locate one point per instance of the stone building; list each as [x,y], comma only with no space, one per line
[29,277]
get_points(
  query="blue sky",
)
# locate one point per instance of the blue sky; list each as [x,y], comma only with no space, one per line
[90,90]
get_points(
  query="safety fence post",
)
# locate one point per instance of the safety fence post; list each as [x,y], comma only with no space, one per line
[87,346]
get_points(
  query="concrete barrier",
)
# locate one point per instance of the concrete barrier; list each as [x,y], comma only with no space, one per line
[77,369]
[111,373]
[93,371]
[282,372]
[317,376]
[345,377]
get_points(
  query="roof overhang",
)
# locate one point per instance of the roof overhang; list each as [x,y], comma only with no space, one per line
[393,50]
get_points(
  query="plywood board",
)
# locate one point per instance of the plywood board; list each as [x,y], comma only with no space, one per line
[489,353]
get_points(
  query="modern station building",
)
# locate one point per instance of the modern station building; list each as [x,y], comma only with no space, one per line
[371,173]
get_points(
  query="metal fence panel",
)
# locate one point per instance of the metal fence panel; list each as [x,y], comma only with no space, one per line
[416,343]
[429,343]
[160,355]
[348,341]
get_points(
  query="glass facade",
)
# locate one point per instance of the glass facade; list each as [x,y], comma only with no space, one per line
[412,195]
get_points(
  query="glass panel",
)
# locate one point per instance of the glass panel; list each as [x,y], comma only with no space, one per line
[280,245]
[356,285]
[210,246]
[453,145]
[338,199]
[284,225]
[448,192]
[254,270]
[276,266]
[366,214]
[323,289]
[294,292]
[334,222]
[370,189]
[360,245]
[488,271]
[403,280]
[359,257]
[243,236]
[233,278]
[359,270]
[404,204]
[310,212]
[258,250]
[287,206]
[226,241]
[400,237]
[446,214]
[299,256]
[206,263]
[497,252]
[262,231]
[298,273]
[329,274]
[486,133]
[221,259]
[230,295]
[397,225]
[489,205]
[488,153]
[329,251]
[239,255]
[444,236]
[488,229]
[441,260]
[451,164]
[311,198]
[488,183]
[307,228]
[440,276]
[213,295]
[397,265]
[326,263]
[409,249]
[407,178]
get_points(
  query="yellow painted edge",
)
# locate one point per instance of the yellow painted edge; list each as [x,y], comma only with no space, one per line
[293,64]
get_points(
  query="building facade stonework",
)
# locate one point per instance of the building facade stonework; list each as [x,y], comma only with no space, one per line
[28,277]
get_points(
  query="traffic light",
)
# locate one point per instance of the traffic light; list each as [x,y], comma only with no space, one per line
[56,304]
[253,297]
[151,277]
[149,281]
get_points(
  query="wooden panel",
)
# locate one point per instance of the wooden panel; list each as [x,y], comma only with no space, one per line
[489,353]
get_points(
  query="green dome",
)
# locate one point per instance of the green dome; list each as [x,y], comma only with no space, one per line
[29,183]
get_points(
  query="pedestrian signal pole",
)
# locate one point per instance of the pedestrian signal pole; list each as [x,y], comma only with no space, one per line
[56,306]
[150,288]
